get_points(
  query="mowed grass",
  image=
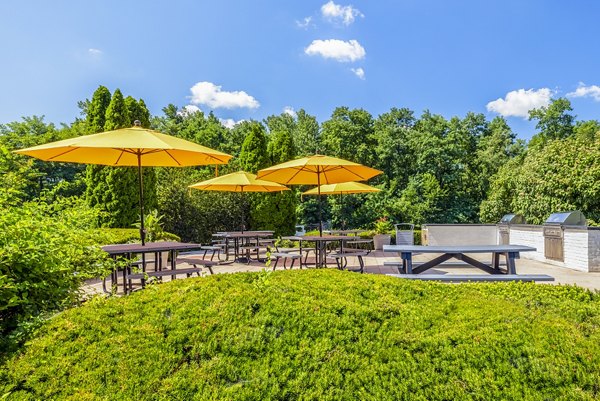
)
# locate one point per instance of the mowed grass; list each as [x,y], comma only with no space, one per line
[317,335]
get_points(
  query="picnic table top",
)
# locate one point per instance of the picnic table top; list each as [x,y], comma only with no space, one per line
[245,234]
[317,238]
[116,249]
[458,248]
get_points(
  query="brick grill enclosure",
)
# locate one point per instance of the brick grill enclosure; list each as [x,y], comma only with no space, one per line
[581,246]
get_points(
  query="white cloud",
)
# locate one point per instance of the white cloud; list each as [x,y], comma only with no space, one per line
[518,103]
[592,91]
[95,53]
[359,72]
[305,23]
[188,110]
[211,95]
[338,50]
[335,12]
[290,110]
[229,122]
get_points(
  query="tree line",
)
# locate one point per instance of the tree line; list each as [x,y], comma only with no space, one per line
[435,170]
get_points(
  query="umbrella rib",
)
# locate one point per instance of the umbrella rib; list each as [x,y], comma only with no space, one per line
[352,172]
[172,157]
[298,171]
[63,153]
[120,155]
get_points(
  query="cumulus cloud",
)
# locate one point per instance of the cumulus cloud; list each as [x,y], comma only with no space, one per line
[359,72]
[229,122]
[211,95]
[290,110]
[338,50]
[518,103]
[305,23]
[337,13]
[592,91]
[188,110]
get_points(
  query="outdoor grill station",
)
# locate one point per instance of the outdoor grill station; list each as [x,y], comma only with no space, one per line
[554,228]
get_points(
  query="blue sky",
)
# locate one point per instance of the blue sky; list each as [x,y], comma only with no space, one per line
[251,59]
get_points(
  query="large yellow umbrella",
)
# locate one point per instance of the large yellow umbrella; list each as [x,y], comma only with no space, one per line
[317,169]
[135,146]
[351,187]
[241,182]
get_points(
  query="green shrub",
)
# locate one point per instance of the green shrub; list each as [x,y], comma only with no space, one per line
[46,252]
[318,335]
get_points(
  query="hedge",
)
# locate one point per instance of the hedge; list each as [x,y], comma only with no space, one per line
[317,335]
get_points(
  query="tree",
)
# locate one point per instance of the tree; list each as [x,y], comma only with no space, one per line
[306,134]
[96,110]
[253,155]
[554,121]
[114,190]
[348,134]
[137,111]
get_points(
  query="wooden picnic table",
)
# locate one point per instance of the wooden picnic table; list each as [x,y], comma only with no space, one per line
[241,239]
[128,250]
[510,252]
[320,245]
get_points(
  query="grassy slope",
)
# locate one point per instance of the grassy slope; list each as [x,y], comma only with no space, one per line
[318,335]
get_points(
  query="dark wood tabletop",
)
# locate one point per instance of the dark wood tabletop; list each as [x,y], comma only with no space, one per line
[149,247]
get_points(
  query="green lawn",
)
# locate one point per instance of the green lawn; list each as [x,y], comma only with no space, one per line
[318,335]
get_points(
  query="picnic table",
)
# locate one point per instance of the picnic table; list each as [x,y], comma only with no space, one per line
[320,245]
[510,252]
[242,241]
[156,248]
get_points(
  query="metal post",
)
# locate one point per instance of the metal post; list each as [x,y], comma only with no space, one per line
[141,182]
[319,192]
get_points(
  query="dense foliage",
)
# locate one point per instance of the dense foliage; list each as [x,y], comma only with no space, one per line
[46,251]
[559,172]
[115,190]
[318,334]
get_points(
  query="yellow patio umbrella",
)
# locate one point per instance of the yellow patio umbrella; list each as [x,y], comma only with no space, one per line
[241,182]
[317,169]
[135,146]
[351,187]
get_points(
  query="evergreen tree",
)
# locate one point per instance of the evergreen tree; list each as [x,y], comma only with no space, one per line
[115,190]
[253,155]
[96,111]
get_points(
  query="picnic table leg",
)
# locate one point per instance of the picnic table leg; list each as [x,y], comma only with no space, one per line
[407,262]
[495,261]
[510,262]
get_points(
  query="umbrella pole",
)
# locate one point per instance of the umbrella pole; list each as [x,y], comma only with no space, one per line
[242,202]
[342,211]
[319,191]
[141,183]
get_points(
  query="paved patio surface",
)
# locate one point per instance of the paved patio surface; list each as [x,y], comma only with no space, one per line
[374,265]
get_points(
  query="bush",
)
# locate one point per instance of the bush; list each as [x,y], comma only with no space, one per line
[46,251]
[318,334]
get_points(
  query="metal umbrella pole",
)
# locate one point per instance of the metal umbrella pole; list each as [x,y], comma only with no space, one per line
[141,183]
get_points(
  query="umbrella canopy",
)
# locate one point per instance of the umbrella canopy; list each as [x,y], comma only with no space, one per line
[342,188]
[317,169]
[241,182]
[134,146]
[351,187]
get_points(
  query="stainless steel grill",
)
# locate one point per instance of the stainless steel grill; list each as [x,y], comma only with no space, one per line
[504,226]
[554,228]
